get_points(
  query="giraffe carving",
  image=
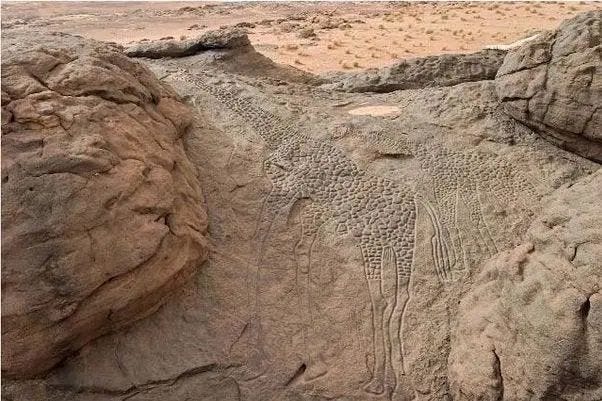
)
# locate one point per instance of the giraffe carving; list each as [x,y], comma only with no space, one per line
[379,213]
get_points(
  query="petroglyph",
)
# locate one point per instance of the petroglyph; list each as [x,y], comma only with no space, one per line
[463,180]
[380,213]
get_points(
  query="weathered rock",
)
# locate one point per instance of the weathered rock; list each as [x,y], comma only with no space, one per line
[416,73]
[226,55]
[554,84]
[287,307]
[102,213]
[307,33]
[343,241]
[531,325]
[245,24]
[219,39]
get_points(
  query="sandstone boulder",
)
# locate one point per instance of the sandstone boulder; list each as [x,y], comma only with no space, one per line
[531,325]
[228,49]
[102,213]
[219,39]
[416,73]
[554,84]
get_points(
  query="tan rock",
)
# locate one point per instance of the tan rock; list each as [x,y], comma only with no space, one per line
[346,250]
[102,212]
[530,327]
[423,72]
[554,84]
[231,38]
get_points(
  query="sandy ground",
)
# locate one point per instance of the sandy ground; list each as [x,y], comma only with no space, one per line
[316,37]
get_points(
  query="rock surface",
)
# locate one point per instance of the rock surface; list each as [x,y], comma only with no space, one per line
[220,39]
[554,84]
[228,49]
[432,71]
[102,211]
[347,245]
[531,325]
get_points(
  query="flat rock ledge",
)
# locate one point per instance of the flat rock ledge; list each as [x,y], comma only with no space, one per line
[417,73]
[229,38]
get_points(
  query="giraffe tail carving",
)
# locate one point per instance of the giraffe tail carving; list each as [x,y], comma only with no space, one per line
[439,245]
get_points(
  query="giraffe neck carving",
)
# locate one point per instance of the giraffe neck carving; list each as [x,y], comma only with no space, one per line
[271,128]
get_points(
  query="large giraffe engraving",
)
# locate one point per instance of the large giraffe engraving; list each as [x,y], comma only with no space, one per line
[379,213]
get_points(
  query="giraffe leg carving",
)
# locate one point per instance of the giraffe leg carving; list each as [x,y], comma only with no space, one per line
[312,217]
[380,309]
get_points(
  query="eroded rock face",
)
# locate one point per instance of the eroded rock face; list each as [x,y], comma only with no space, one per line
[345,246]
[431,71]
[554,84]
[102,213]
[228,49]
[530,327]
[220,39]
[342,245]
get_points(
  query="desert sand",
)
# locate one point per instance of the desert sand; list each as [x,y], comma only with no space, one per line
[316,37]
